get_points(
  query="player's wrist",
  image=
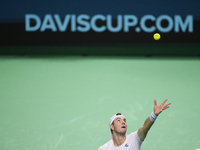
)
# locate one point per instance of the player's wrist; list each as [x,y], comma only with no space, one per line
[155,113]
[153,117]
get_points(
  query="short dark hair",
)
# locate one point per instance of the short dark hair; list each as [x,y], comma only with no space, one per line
[118,114]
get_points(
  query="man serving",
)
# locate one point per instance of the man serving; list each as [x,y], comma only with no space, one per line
[118,128]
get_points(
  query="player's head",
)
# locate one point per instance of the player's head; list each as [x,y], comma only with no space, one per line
[117,124]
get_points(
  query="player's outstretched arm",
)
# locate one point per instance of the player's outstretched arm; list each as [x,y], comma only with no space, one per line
[143,130]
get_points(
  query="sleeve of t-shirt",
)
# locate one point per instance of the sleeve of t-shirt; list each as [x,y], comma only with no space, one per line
[136,136]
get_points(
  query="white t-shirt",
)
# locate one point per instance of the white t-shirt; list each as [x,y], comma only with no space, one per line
[132,142]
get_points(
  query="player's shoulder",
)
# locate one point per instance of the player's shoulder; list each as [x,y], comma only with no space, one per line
[105,146]
[134,135]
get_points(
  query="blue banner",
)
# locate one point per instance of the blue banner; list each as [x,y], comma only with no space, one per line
[12,10]
[89,22]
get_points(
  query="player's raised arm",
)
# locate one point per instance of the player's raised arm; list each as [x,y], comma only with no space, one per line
[143,130]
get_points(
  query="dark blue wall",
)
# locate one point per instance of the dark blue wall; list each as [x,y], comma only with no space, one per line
[16,9]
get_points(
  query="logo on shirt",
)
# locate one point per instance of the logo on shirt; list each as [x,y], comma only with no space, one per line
[126,145]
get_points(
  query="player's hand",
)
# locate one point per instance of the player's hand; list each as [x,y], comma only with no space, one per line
[159,108]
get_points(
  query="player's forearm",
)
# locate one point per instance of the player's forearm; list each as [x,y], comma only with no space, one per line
[149,122]
[147,125]
[143,130]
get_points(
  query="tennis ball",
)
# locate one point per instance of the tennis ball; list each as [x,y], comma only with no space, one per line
[156,36]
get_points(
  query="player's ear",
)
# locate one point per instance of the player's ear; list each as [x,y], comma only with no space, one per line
[112,127]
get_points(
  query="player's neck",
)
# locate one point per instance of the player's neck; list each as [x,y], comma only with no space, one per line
[119,139]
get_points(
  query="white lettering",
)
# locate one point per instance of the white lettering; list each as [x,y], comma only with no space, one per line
[84,25]
[179,22]
[129,21]
[119,23]
[62,26]
[73,23]
[48,23]
[143,23]
[28,19]
[170,23]
[93,23]
[101,23]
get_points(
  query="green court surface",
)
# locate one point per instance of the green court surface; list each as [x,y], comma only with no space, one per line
[65,103]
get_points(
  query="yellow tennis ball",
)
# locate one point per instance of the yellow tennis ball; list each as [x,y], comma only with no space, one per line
[156,36]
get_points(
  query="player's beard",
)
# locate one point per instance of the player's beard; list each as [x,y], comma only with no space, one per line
[120,133]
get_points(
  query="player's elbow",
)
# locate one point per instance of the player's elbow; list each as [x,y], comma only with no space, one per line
[142,132]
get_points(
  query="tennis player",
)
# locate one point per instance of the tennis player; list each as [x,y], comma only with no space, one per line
[118,127]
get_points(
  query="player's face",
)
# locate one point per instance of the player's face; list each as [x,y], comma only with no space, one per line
[120,125]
